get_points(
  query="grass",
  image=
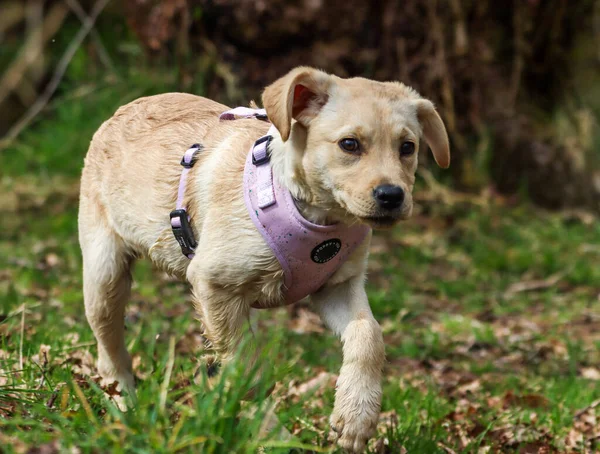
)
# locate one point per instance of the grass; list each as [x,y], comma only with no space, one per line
[490,314]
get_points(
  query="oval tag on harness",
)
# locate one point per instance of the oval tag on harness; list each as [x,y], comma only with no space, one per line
[325,251]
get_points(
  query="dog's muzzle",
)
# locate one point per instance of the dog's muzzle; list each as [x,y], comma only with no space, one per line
[388,197]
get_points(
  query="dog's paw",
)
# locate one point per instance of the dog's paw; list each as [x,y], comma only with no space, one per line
[121,391]
[356,409]
[354,430]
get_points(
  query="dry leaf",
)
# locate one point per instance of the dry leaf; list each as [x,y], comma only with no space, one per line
[470,387]
[526,400]
[320,382]
[574,439]
[52,260]
[591,373]
[306,322]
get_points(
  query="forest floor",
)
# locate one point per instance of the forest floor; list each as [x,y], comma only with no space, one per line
[490,311]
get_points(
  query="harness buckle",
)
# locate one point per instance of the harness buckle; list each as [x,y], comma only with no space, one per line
[182,230]
[266,157]
[184,162]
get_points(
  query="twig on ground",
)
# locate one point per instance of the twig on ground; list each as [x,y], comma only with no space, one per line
[446,448]
[21,341]
[164,389]
[78,346]
[584,410]
[84,402]
[50,402]
[43,370]
[59,72]
[530,286]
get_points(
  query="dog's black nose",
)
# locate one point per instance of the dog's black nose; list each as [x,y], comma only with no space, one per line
[388,196]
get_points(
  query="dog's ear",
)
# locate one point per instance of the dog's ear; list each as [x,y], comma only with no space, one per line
[300,94]
[434,132]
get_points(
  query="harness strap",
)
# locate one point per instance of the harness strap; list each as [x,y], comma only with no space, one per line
[264,172]
[260,154]
[187,162]
[244,112]
[180,220]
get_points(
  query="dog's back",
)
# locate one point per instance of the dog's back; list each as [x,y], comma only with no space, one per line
[132,169]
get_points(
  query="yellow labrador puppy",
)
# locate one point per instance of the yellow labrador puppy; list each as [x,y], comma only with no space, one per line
[259,213]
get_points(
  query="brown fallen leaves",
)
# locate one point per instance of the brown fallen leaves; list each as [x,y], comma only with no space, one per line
[591,373]
[317,385]
[305,321]
[311,394]
[525,435]
[586,428]
[482,420]
[465,426]
[508,422]
[75,357]
[383,442]
[19,447]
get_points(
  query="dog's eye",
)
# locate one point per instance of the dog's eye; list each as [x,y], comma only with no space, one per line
[349,145]
[407,148]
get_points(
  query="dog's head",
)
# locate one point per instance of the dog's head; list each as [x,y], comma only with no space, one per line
[356,141]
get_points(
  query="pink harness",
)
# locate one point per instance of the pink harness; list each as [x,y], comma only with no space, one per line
[308,253]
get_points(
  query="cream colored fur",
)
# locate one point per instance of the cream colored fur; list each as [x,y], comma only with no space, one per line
[129,186]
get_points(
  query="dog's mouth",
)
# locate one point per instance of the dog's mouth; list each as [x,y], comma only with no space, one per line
[374,216]
[380,221]
[384,220]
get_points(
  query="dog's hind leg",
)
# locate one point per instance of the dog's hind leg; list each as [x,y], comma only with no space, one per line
[106,289]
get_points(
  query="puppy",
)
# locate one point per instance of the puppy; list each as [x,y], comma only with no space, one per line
[343,152]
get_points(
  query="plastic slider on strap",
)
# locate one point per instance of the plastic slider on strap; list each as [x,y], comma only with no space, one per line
[188,158]
[260,151]
[182,230]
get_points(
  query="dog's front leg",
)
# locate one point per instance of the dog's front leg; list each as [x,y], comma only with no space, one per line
[345,309]
[223,316]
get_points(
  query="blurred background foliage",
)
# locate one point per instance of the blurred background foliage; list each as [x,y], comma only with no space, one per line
[489,310]
[516,82]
